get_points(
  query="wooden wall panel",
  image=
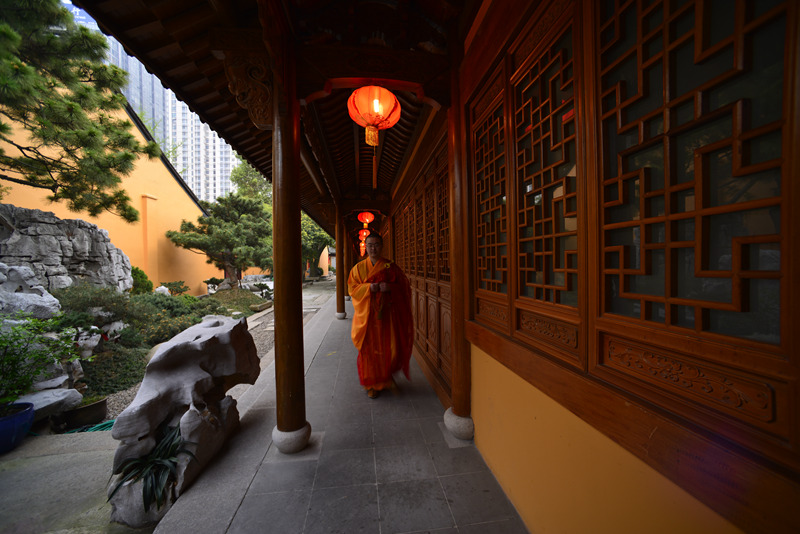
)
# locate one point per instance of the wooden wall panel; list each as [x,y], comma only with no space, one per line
[425,220]
[631,167]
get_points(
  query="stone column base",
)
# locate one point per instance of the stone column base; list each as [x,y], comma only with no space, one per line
[342,315]
[291,442]
[460,427]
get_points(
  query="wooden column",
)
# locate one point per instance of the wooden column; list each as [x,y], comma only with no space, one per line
[292,431]
[346,262]
[457,418]
[341,271]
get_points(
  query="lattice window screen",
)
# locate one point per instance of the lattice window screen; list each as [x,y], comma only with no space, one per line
[431,234]
[691,177]
[491,232]
[546,176]
[419,235]
[443,208]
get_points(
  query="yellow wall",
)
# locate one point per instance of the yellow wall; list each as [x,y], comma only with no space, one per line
[565,477]
[162,204]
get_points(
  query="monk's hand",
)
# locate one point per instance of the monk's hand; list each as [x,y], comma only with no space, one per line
[385,287]
[374,288]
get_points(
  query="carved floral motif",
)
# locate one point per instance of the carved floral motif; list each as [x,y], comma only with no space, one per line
[747,397]
[492,311]
[539,326]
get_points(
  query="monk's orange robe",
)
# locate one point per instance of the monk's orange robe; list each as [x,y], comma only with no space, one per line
[383,327]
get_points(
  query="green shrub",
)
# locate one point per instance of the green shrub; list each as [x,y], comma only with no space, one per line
[176,288]
[79,298]
[209,306]
[213,282]
[163,327]
[237,299]
[130,337]
[26,350]
[190,300]
[173,306]
[117,369]
[141,283]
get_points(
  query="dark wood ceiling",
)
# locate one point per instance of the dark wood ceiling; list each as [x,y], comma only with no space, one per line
[338,45]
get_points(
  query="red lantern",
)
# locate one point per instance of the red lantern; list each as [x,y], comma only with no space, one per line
[375,108]
[364,234]
[363,247]
[366,217]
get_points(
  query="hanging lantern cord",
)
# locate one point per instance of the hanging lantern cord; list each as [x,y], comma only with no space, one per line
[374,167]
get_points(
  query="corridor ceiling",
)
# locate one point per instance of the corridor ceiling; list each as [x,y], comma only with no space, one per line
[196,46]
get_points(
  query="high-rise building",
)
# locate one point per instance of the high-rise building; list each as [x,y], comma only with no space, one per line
[200,156]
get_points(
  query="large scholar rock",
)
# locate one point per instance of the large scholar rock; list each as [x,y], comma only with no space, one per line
[185,384]
[20,291]
[61,251]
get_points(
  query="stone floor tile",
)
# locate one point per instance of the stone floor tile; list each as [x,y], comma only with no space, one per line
[409,462]
[353,436]
[400,432]
[413,506]
[454,461]
[284,476]
[271,512]
[345,510]
[347,467]
[476,498]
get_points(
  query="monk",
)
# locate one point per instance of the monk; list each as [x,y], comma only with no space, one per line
[383,329]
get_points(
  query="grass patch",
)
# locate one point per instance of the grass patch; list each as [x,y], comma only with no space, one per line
[113,371]
[238,300]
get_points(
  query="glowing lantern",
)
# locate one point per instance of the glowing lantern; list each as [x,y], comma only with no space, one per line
[366,217]
[363,247]
[363,234]
[375,108]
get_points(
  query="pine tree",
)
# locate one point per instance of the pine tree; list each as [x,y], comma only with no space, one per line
[251,183]
[236,235]
[56,88]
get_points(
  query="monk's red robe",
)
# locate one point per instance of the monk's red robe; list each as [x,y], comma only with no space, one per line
[383,327]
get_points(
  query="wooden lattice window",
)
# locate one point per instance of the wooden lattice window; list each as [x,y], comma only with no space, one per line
[401,248]
[692,107]
[491,218]
[443,209]
[412,245]
[419,235]
[430,227]
[546,176]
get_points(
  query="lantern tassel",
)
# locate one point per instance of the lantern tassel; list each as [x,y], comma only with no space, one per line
[372,136]
[374,169]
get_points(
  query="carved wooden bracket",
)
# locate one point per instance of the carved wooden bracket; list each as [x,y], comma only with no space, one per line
[249,71]
[250,80]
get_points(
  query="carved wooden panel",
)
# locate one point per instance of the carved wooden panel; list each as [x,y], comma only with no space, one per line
[445,335]
[432,330]
[491,311]
[749,399]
